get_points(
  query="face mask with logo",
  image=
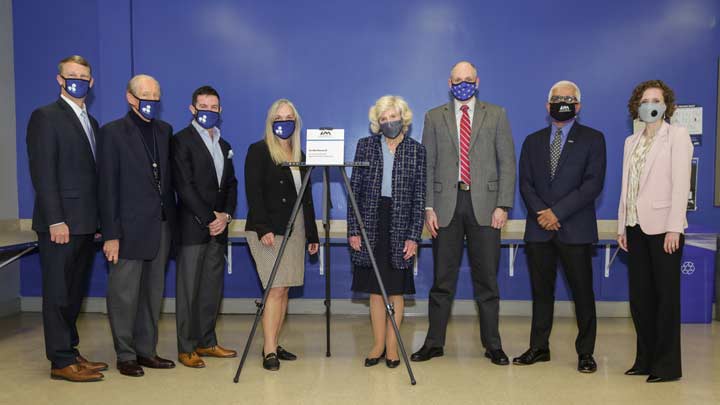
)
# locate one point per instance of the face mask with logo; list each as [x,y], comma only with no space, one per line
[283,129]
[207,118]
[77,88]
[651,112]
[391,129]
[463,90]
[148,108]
[562,111]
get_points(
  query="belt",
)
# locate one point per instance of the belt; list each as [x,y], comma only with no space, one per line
[463,186]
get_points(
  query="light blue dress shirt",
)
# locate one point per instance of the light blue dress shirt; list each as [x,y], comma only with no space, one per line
[213,146]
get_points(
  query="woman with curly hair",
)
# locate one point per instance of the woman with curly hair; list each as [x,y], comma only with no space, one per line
[651,222]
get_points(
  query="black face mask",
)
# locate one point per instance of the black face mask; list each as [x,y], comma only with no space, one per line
[562,111]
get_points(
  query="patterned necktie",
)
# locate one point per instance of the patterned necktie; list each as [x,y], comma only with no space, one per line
[555,149]
[88,131]
[465,145]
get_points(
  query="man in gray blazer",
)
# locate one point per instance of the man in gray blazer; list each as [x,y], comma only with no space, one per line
[470,188]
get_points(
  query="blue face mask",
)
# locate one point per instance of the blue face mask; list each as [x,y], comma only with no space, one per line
[77,88]
[283,129]
[207,118]
[148,108]
[463,90]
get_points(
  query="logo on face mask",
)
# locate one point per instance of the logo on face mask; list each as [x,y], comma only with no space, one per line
[283,129]
[207,118]
[564,108]
[147,109]
[562,111]
[77,88]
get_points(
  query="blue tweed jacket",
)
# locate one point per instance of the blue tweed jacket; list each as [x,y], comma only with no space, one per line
[408,194]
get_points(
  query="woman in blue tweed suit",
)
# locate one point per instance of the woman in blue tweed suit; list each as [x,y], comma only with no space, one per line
[391,198]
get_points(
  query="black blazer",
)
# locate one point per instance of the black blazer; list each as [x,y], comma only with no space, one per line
[62,169]
[130,207]
[571,195]
[271,194]
[199,193]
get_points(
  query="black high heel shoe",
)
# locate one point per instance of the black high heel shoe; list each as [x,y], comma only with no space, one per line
[392,363]
[374,361]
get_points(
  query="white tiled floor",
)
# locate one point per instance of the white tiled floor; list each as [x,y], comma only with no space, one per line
[463,376]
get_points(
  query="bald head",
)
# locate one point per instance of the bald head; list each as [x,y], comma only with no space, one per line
[463,70]
[144,87]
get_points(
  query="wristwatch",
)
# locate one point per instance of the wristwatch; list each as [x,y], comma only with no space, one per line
[229,218]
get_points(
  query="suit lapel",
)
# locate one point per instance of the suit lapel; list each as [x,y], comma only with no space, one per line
[478,117]
[79,130]
[451,123]
[225,148]
[661,139]
[135,142]
[567,147]
[545,152]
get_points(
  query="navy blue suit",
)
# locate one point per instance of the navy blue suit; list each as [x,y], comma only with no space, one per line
[571,195]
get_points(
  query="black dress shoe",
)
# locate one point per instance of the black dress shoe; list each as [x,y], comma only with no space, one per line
[497,356]
[532,356]
[636,371]
[369,362]
[271,362]
[155,362]
[426,353]
[130,368]
[655,379]
[284,354]
[392,363]
[586,364]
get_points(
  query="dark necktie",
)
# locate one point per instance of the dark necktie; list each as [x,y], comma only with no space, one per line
[555,149]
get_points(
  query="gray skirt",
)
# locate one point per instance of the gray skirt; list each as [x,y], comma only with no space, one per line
[291,272]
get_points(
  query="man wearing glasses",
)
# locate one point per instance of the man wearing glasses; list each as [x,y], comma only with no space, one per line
[562,169]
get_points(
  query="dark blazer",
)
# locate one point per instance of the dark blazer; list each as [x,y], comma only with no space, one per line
[271,194]
[130,207]
[199,193]
[408,194]
[571,195]
[62,169]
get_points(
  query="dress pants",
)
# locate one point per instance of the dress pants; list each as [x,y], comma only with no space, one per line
[65,274]
[654,284]
[134,300]
[484,251]
[199,291]
[577,264]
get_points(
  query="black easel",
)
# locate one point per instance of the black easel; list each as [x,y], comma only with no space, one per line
[389,309]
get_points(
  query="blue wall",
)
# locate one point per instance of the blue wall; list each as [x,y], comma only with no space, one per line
[333,62]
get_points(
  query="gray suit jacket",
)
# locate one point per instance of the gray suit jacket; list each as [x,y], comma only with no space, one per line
[492,161]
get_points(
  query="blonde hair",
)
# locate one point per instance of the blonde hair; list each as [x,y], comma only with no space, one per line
[74,59]
[565,83]
[273,143]
[385,103]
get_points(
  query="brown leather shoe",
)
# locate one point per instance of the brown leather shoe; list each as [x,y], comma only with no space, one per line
[92,365]
[130,368]
[75,373]
[155,362]
[191,360]
[216,351]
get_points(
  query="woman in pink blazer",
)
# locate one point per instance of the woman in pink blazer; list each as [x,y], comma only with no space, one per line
[651,222]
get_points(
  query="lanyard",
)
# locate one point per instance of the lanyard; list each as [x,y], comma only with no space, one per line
[153,156]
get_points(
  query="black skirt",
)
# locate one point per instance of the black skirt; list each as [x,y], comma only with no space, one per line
[396,281]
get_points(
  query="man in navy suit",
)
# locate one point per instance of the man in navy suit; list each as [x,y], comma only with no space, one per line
[562,170]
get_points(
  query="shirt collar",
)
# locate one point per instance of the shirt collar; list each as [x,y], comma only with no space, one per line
[77,109]
[470,104]
[565,129]
[205,133]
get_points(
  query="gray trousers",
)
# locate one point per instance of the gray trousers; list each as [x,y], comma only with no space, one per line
[484,250]
[134,301]
[199,291]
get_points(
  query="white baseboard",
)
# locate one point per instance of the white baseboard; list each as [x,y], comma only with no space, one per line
[608,309]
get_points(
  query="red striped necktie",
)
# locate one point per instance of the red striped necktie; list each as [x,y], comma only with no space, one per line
[465,145]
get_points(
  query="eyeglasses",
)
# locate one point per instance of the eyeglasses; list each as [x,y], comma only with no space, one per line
[564,99]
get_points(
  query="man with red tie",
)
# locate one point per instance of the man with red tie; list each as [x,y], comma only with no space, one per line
[470,188]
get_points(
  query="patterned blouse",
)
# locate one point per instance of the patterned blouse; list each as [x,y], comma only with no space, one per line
[637,162]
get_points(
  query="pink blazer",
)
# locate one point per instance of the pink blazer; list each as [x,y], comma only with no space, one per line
[664,181]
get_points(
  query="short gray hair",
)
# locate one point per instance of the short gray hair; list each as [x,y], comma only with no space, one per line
[565,83]
[133,83]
